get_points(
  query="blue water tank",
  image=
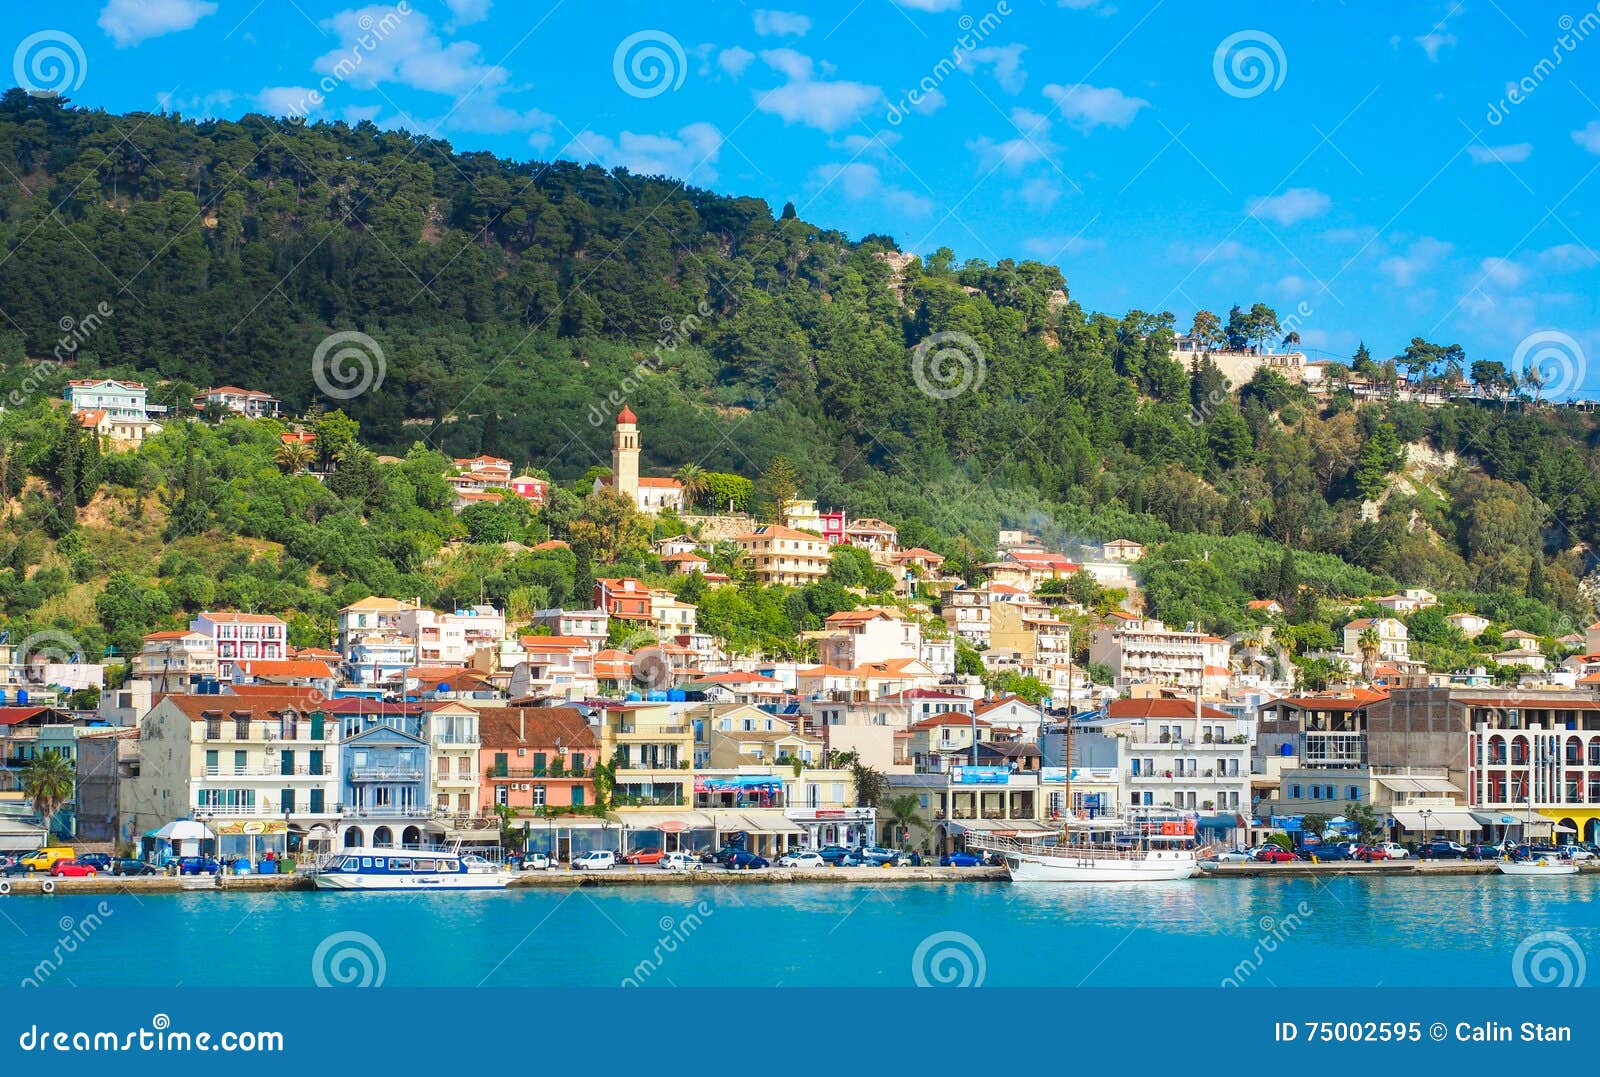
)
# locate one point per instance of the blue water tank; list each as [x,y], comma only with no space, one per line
[444,686]
[1286,750]
[676,695]
[656,696]
[631,697]
[22,696]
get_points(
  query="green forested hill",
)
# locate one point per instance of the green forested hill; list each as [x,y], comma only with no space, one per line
[516,302]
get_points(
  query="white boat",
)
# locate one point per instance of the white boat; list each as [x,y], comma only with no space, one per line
[1542,866]
[407,869]
[1146,848]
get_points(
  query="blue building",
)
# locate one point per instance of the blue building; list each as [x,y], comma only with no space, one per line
[383,774]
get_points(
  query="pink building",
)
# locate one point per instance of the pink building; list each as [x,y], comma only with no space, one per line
[243,635]
[533,757]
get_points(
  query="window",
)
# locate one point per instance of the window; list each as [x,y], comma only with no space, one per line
[577,796]
[538,796]
[241,729]
[1294,792]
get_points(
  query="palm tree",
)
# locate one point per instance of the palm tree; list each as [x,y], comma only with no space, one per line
[293,457]
[905,811]
[48,782]
[692,477]
[1369,643]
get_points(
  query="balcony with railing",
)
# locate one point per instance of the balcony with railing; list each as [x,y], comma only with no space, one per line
[395,772]
[269,770]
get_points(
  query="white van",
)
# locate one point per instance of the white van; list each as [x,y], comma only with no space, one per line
[597,860]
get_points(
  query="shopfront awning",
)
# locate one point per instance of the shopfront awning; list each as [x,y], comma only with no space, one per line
[998,827]
[667,822]
[1406,783]
[1435,819]
[1517,817]
[561,823]
[757,820]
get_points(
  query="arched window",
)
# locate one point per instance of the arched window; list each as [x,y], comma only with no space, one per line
[383,838]
[412,838]
[353,838]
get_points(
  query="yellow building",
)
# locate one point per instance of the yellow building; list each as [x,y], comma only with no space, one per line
[653,749]
[781,555]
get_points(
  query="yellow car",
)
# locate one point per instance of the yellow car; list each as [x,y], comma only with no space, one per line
[45,859]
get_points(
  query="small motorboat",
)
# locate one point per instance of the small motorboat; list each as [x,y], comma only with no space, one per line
[1544,865]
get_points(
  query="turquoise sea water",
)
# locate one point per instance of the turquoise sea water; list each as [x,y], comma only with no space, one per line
[1357,932]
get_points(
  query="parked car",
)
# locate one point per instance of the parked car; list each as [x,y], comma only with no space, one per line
[531,862]
[875,854]
[1273,854]
[1483,851]
[15,868]
[1574,852]
[123,866]
[801,858]
[73,869]
[595,860]
[644,856]
[680,861]
[197,865]
[833,854]
[740,860]
[1440,849]
[44,859]
[961,860]
[100,861]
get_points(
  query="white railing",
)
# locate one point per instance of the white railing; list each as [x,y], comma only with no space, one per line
[269,771]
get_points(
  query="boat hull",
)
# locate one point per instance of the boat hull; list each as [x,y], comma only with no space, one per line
[1157,867]
[1536,868]
[348,881]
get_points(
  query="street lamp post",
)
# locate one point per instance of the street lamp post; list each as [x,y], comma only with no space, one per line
[1427,826]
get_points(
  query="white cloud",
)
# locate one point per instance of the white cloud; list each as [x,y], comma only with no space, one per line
[1006,61]
[735,60]
[1567,256]
[1039,194]
[825,105]
[132,21]
[1088,107]
[206,106]
[356,114]
[1050,248]
[1515,153]
[1420,256]
[688,155]
[1589,137]
[929,5]
[1503,272]
[1086,5]
[862,182]
[873,145]
[781,23]
[468,11]
[1204,253]
[1295,204]
[1032,143]
[1435,42]
[382,44]
[289,100]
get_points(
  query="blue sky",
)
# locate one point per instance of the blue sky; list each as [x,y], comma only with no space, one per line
[1372,175]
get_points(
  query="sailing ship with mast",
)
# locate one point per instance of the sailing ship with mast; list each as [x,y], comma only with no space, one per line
[1534,866]
[1148,845]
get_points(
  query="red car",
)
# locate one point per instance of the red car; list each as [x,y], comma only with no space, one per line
[73,869]
[1271,854]
[644,856]
[1369,853]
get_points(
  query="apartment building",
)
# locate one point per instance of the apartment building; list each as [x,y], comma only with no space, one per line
[178,661]
[242,635]
[1145,651]
[782,555]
